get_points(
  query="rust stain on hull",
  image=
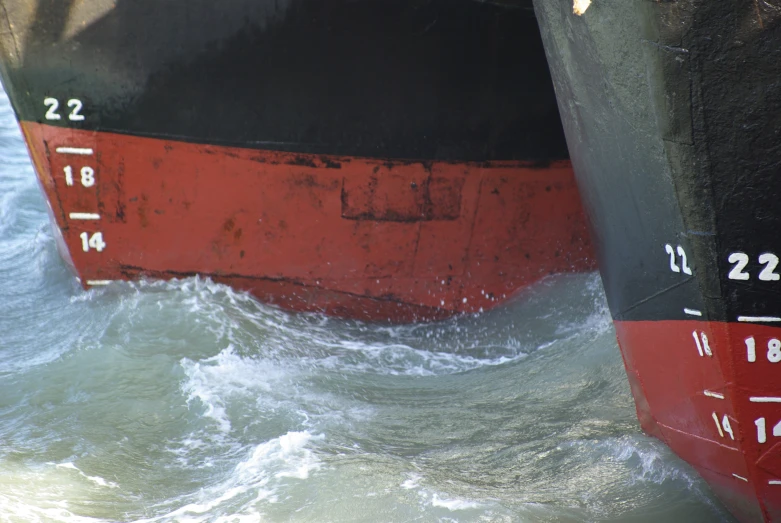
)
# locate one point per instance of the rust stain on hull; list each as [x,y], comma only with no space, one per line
[356,237]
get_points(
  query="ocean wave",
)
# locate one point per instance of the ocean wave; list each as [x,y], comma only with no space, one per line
[254,482]
[312,340]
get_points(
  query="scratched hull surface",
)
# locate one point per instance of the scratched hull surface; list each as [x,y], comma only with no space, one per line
[188,401]
[671,111]
[379,160]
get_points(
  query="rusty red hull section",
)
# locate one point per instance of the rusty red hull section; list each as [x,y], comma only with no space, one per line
[357,237]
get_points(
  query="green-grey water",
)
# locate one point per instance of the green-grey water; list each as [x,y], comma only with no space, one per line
[188,402]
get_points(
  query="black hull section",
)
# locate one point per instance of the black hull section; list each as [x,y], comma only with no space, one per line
[672,112]
[421,79]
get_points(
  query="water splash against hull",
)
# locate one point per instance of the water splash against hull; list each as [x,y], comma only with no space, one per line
[187,401]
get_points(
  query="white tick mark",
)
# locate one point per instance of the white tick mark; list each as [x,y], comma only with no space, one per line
[84,216]
[767,319]
[74,150]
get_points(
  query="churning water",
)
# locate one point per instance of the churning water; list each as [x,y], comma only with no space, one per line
[189,402]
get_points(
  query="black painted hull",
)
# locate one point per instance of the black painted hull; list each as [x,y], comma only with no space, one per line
[418,79]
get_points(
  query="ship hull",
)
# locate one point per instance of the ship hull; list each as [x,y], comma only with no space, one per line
[671,111]
[354,237]
[377,160]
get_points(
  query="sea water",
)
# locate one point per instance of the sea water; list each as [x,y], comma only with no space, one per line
[186,401]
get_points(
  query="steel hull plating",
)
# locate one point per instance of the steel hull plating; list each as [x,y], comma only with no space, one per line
[355,237]
[671,111]
[379,160]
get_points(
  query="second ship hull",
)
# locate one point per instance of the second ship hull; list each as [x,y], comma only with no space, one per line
[672,112]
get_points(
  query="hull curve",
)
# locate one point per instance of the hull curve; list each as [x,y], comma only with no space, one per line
[357,237]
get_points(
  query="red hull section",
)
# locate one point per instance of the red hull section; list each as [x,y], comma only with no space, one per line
[710,390]
[364,238]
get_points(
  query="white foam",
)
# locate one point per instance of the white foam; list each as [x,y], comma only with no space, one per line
[454,504]
[645,461]
[198,388]
[413,481]
[437,499]
[97,480]
[400,360]
[311,341]
[653,467]
[266,470]
[288,451]
[239,518]
[214,382]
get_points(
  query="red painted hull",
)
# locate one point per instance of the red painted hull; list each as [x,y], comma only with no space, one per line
[685,387]
[363,238]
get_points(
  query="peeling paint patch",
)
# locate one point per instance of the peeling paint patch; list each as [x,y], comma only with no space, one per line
[579,6]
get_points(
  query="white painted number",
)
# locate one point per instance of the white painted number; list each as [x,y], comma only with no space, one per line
[87,176]
[705,344]
[773,350]
[95,241]
[673,262]
[52,104]
[740,259]
[68,175]
[703,347]
[762,434]
[76,105]
[724,426]
[768,260]
[727,427]
[768,272]
[669,249]
[751,349]
[777,429]
[684,265]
